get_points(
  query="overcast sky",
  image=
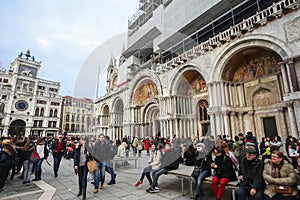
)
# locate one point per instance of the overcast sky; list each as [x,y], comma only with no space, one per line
[72,38]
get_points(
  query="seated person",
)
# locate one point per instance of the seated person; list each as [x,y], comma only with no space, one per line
[279,172]
[224,172]
[154,163]
[203,160]
[250,174]
[169,161]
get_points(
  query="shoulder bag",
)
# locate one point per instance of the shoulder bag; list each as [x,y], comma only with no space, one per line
[91,165]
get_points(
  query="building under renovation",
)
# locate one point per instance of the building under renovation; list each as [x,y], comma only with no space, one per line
[206,67]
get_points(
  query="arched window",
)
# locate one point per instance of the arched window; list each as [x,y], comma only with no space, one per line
[67,117]
[37,110]
[67,127]
[55,113]
[42,112]
[51,113]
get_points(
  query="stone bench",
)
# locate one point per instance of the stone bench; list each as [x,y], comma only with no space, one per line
[123,160]
[184,172]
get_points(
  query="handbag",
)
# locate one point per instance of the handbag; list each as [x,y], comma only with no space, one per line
[91,165]
[197,171]
[34,157]
[282,189]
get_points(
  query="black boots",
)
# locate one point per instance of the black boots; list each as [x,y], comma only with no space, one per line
[83,194]
[80,192]
[37,176]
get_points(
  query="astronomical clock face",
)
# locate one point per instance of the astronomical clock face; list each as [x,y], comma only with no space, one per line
[21,105]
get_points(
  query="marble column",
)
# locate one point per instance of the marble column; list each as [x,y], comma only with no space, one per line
[293,75]
[252,121]
[226,119]
[284,78]
[292,120]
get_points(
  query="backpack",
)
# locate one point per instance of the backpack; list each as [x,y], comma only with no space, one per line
[34,157]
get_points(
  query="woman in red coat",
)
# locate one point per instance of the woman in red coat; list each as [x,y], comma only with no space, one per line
[147,145]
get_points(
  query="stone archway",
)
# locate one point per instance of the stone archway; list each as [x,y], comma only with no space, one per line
[117,119]
[17,128]
[253,85]
[190,89]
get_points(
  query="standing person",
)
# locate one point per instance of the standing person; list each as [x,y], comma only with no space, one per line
[278,171]
[293,151]
[140,146]
[203,159]
[262,146]
[27,164]
[224,172]
[7,155]
[147,145]
[154,163]
[134,143]
[109,162]
[58,148]
[250,176]
[81,157]
[101,152]
[40,148]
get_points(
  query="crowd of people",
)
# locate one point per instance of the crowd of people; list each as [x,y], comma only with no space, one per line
[268,170]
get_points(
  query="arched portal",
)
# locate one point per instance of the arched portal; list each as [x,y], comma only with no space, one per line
[151,122]
[145,109]
[17,128]
[104,119]
[190,93]
[117,119]
[253,93]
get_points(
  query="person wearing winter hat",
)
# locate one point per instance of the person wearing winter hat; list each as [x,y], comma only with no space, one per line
[250,176]
[203,159]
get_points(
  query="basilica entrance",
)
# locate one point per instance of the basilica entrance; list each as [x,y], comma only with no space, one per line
[270,129]
[17,128]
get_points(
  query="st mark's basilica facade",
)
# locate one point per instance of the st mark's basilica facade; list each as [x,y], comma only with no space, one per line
[226,67]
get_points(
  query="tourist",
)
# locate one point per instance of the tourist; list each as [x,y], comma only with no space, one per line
[40,148]
[203,159]
[140,146]
[169,161]
[101,153]
[279,172]
[238,147]
[27,164]
[81,157]
[250,176]
[7,154]
[147,145]
[153,164]
[58,147]
[224,172]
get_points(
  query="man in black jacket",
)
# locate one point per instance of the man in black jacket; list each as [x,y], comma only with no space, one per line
[250,175]
[58,148]
[169,161]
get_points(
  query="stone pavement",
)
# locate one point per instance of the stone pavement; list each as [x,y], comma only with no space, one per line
[65,185]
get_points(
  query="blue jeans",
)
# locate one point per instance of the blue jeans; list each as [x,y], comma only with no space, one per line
[110,170]
[201,177]
[27,167]
[244,192]
[38,166]
[134,151]
[56,160]
[99,174]
[156,174]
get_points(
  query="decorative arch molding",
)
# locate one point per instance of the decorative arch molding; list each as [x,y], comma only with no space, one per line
[115,104]
[179,73]
[260,88]
[140,78]
[254,40]
[104,107]
[150,109]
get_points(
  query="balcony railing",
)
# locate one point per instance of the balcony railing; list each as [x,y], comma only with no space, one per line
[259,19]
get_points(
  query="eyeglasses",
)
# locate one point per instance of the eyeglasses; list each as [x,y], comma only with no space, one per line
[274,156]
[251,154]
